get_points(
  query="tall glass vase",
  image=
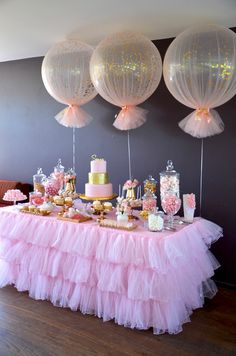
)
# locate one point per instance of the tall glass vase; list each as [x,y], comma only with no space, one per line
[170,221]
[171,204]
[130,194]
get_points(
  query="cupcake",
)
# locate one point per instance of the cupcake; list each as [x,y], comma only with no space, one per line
[58,200]
[107,205]
[46,207]
[68,201]
[31,208]
[24,208]
[97,205]
[71,212]
[43,211]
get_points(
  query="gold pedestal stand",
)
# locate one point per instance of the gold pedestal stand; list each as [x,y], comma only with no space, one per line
[101,210]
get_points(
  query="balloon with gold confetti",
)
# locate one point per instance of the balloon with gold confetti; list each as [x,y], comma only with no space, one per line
[200,71]
[126,69]
[65,74]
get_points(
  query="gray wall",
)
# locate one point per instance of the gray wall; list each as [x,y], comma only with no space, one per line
[31,138]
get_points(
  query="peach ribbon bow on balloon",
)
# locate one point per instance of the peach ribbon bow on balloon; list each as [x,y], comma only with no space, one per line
[202,123]
[65,74]
[73,116]
[126,69]
[203,114]
[130,117]
[200,72]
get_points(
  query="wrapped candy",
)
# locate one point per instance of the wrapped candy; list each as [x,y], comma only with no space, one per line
[150,184]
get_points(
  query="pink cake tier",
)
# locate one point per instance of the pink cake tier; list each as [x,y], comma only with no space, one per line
[98,165]
[98,190]
[98,185]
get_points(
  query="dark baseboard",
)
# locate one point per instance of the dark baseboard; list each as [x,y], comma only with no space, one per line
[225,285]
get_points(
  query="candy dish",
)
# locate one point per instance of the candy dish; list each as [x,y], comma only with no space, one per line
[73,215]
[14,195]
[74,219]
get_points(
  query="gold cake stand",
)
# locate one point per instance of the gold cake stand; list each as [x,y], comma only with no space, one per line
[83,196]
[101,212]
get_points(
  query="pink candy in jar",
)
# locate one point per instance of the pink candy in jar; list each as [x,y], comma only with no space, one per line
[149,201]
[52,186]
[59,173]
[171,204]
[36,198]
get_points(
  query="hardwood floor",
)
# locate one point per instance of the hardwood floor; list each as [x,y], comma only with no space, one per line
[29,327]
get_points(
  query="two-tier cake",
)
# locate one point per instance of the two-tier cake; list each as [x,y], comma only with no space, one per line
[98,185]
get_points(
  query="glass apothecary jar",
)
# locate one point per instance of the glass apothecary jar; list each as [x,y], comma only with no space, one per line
[169,180]
[36,198]
[171,204]
[51,186]
[156,220]
[150,184]
[38,180]
[149,201]
[59,173]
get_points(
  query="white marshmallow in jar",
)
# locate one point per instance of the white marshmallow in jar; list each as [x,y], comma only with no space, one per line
[156,221]
[169,180]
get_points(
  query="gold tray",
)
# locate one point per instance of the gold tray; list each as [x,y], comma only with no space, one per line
[110,224]
[83,196]
[46,213]
[85,218]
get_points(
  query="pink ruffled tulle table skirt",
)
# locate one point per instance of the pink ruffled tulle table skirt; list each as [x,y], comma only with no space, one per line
[140,279]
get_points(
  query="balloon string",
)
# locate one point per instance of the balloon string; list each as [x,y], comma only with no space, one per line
[201,175]
[73,149]
[129,156]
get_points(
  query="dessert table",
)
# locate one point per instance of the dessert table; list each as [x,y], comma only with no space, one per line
[140,279]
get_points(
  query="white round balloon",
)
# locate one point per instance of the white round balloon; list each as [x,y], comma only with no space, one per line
[200,71]
[65,74]
[126,69]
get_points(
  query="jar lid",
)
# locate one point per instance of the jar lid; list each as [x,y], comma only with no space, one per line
[39,173]
[170,166]
[150,179]
[71,172]
[169,169]
[149,194]
[59,167]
